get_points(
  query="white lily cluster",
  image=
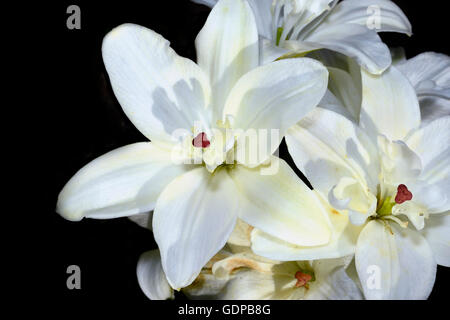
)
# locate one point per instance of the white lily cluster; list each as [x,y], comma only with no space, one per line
[230,218]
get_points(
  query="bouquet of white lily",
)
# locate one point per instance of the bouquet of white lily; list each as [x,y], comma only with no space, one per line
[231,219]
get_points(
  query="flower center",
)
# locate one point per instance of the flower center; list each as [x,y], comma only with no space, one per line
[302,279]
[201,141]
[403,194]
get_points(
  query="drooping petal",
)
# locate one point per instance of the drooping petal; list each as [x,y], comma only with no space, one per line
[355,41]
[400,164]
[397,265]
[209,3]
[429,73]
[432,144]
[437,233]
[332,103]
[263,16]
[432,108]
[274,97]
[123,182]
[159,91]
[261,10]
[227,48]
[326,147]
[379,15]
[280,204]
[389,106]
[193,219]
[342,242]
[346,90]
[151,277]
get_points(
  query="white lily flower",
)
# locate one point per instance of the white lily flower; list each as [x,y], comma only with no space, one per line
[196,205]
[382,173]
[236,273]
[296,27]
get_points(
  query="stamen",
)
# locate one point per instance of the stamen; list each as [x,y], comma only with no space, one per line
[201,141]
[302,279]
[403,194]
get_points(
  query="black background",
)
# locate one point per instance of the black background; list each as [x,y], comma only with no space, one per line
[85,121]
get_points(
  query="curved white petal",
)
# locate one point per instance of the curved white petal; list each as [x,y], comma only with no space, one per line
[281,205]
[151,277]
[389,105]
[123,182]
[143,220]
[355,41]
[327,147]
[332,103]
[274,97]
[263,16]
[227,48]
[261,10]
[193,219]
[332,281]
[342,242]
[432,144]
[378,15]
[429,73]
[343,86]
[397,265]
[158,90]
[209,3]
[437,233]
[433,108]
[269,52]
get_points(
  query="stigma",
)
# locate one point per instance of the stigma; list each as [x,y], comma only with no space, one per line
[403,194]
[302,279]
[201,141]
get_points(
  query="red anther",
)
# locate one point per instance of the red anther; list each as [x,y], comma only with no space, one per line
[403,194]
[201,141]
[302,279]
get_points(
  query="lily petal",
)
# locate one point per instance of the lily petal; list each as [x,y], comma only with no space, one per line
[389,106]
[227,48]
[355,41]
[432,108]
[390,17]
[123,182]
[342,242]
[282,205]
[263,16]
[274,97]
[432,144]
[397,265]
[346,90]
[429,73]
[332,281]
[209,3]
[159,91]
[151,277]
[193,219]
[437,233]
[269,52]
[326,147]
